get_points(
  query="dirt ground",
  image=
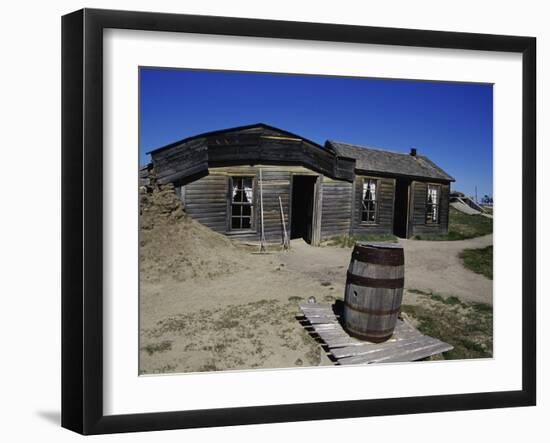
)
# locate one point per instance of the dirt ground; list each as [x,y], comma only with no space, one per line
[209,304]
[429,266]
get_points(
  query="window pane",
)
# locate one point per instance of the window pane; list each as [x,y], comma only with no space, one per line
[372,189]
[242,199]
[369,189]
[432,204]
[247,195]
[369,201]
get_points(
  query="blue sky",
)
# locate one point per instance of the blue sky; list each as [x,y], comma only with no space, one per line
[451,123]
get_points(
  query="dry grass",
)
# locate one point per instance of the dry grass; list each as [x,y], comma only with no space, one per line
[466,326]
[461,227]
[230,337]
[348,241]
[479,260]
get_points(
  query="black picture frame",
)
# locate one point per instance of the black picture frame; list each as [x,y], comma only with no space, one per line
[82,215]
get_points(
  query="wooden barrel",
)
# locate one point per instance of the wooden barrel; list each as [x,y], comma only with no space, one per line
[374,290]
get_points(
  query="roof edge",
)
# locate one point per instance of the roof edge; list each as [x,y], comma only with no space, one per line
[375,148]
[235,128]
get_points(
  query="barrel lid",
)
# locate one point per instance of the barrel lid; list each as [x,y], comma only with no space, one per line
[371,244]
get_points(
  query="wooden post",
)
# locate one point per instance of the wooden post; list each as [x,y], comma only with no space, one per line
[286,242]
[317,212]
[262,235]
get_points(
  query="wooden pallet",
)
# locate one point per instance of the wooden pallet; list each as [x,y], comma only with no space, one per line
[406,344]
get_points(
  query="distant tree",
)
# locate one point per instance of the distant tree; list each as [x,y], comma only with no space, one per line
[487,200]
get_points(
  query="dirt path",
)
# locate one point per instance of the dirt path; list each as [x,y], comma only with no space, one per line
[430,266]
[436,266]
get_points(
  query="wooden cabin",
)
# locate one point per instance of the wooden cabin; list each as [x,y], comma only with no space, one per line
[324,191]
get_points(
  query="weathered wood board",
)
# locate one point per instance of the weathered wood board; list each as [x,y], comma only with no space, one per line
[406,344]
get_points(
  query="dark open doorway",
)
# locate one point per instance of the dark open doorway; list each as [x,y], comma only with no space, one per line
[401,208]
[303,191]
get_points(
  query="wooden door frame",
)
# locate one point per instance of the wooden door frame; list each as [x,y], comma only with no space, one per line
[317,206]
[410,209]
[317,211]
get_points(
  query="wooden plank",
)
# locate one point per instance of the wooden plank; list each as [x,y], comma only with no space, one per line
[321,315]
[408,356]
[339,343]
[407,343]
[330,329]
[419,354]
[321,319]
[330,315]
[332,334]
[339,339]
[324,312]
[380,350]
[317,310]
[402,351]
[328,326]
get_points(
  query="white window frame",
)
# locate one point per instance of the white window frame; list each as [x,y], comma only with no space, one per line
[376,200]
[231,203]
[430,213]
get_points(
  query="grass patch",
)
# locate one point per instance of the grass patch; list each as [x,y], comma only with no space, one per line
[452,300]
[479,260]
[348,241]
[462,226]
[294,299]
[466,326]
[163,346]
[488,209]
[417,291]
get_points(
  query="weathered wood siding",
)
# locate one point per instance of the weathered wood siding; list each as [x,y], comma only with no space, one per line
[336,207]
[417,218]
[384,224]
[183,161]
[206,200]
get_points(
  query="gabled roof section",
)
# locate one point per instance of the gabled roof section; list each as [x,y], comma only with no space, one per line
[263,128]
[382,161]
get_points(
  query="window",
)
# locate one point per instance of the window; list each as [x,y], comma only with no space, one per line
[241,203]
[432,204]
[369,203]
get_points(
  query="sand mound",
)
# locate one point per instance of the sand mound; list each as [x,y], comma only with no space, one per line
[172,245]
